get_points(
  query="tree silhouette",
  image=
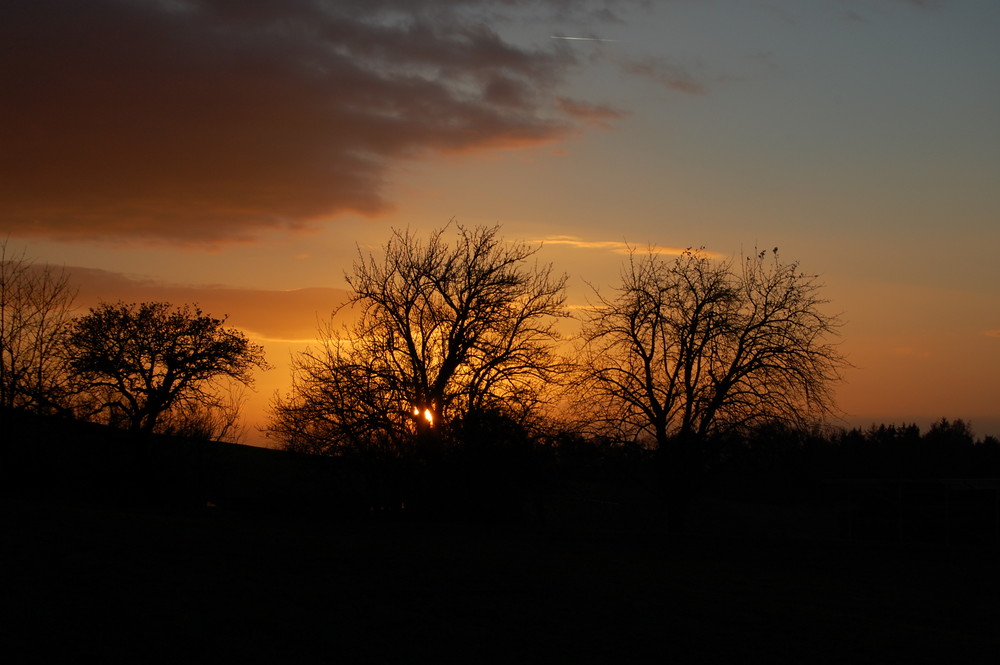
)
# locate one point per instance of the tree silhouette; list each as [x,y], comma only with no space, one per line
[440,329]
[141,362]
[36,305]
[695,350]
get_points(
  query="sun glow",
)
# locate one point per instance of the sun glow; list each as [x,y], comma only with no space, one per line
[428,416]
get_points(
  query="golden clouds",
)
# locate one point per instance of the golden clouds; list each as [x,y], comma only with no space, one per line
[617,246]
[267,315]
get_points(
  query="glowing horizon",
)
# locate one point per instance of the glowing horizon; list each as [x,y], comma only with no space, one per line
[239,156]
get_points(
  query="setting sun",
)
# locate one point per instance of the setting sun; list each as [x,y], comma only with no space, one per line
[451,330]
[428,416]
[859,137]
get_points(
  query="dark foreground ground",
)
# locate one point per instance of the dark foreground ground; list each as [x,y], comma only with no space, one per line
[103,584]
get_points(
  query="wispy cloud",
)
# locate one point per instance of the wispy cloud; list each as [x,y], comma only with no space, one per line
[664,73]
[261,338]
[617,246]
[594,115]
[925,4]
[856,13]
[993,333]
[200,121]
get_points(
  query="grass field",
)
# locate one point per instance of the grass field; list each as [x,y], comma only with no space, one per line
[100,584]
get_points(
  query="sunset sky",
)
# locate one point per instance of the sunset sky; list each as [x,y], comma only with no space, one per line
[236,153]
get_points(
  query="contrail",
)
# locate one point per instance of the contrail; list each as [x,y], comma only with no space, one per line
[583,39]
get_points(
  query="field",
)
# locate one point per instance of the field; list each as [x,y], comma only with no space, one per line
[96,583]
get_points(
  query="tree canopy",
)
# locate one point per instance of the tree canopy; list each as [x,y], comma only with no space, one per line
[697,348]
[441,329]
[139,362]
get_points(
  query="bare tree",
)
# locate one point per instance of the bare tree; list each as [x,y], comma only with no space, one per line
[147,364]
[694,349]
[218,420]
[36,306]
[439,330]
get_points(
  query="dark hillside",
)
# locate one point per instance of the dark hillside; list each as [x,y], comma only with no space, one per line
[186,551]
[104,584]
[53,459]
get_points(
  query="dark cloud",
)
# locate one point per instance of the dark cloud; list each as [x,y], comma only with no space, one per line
[208,120]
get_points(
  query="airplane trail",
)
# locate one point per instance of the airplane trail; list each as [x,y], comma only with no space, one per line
[583,39]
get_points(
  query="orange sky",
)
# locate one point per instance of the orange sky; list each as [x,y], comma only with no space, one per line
[236,154]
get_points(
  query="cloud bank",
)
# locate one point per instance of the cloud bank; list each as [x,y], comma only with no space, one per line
[195,121]
[267,315]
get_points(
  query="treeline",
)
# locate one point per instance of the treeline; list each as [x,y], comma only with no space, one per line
[786,465]
[495,471]
[454,389]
